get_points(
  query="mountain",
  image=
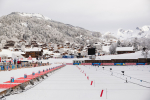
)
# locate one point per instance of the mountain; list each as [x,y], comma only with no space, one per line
[37,27]
[140,32]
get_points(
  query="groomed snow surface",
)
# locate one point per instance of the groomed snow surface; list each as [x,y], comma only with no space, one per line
[70,83]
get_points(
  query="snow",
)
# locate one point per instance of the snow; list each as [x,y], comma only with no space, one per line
[146,28]
[9,53]
[135,55]
[124,49]
[105,48]
[47,52]
[32,49]
[34,15]
[24,24]
[69,83]
[48,26]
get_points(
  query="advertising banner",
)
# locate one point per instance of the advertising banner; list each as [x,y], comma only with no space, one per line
[96,64]
[107,64]
[130,63]
[119,63]
[140,63]
[69,63]
[88,63]
[76,63]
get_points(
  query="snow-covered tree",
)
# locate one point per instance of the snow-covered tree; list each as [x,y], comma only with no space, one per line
[112,48]
[118,43]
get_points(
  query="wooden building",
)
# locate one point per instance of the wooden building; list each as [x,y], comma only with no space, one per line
[122,50]
[35,53]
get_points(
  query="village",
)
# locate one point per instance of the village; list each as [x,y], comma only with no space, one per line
[21,51]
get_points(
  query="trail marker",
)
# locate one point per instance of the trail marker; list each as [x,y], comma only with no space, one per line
[101,93]
[91,82]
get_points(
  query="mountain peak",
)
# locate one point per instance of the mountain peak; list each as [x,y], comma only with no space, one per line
[39,16]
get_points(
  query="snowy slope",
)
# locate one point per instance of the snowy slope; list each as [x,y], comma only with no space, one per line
[34,15]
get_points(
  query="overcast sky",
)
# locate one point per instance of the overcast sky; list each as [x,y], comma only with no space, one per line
[94,15]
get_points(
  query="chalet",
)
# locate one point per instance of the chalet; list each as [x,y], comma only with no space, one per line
[33,52]
[10,42]
[22,40]
[33,42]
[56,51]
[5,47]
[28,46]
[16,49]
[35,45]
[44,45]
[122,50]
[10,45]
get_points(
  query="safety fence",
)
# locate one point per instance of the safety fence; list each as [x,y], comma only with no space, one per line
[21,82]
[107,64]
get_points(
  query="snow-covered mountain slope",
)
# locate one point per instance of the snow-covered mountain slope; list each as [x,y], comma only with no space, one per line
[140,32]
[43,29]
[34,15]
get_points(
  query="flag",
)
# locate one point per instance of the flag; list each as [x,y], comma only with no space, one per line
[91,82]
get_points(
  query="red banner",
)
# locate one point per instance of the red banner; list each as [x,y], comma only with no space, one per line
[69,63]
[107,63]
[86,64]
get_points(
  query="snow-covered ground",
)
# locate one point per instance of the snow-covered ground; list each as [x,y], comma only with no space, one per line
[69,83]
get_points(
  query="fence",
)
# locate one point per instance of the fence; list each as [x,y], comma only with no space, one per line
[139,60]
[23,65]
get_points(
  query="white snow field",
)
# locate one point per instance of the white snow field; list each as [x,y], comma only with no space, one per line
[70,83]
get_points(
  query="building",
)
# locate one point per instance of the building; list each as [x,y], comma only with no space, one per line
[33,52]
[122,50]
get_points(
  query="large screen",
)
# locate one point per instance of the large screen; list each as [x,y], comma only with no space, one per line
[91,51]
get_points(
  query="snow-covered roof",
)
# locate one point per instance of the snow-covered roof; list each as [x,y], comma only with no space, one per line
[9,53]
[124,49]
[105,48]
[32,49]
[47,52]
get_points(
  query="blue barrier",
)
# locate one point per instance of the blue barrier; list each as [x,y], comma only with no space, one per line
[7,67]
[13,66]
[76,63]
[119,63]
[96,63]
[2,67]
[70,56]
[140,63]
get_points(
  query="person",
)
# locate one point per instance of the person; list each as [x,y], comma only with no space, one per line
[126,80]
